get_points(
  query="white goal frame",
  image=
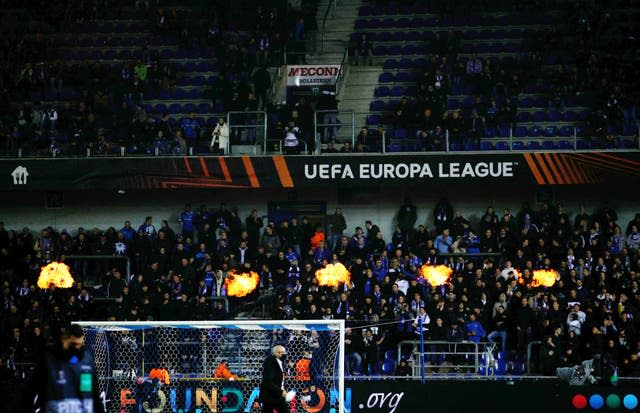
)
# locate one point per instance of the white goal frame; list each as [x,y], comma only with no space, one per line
[243,325]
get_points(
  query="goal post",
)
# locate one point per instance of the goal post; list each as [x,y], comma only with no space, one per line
[125,353]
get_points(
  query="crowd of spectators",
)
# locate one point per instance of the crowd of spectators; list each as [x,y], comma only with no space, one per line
[55,105]
[590,312]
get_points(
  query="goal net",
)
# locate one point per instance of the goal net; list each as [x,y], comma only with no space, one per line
[128,355]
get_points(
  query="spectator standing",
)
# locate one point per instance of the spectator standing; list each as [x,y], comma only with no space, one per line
[337,226]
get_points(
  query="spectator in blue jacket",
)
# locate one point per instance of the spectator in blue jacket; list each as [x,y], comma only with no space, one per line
[191,127]
[474,330]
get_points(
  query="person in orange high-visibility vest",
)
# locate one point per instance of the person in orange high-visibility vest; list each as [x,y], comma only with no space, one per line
[223,372]
[303,368]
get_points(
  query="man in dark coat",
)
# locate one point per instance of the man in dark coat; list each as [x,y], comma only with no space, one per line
[272,392]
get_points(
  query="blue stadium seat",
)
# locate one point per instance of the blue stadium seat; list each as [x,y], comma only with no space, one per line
[535,131]
[373,120]
[550,131]
[517,145]
[377,105]
[381,91]
[486,146]
[533,145]
[401,133]
[390,64]
[566,131]
[520,132]
[502,146]
[564,145]
[548,145]
[397,91]
[539,116]
[385,78]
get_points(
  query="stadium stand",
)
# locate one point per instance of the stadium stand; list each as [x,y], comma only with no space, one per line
[507,73]
[590,311]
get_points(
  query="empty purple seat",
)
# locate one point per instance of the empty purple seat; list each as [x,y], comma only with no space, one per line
[393,104]
[179,94]
[402,77]
[554,116]
[203,108]
[373,120]
[570,116]
[401,133]
[566,131]
[517,146]
[535,131]
[564,145]
[174,108]
[548,145]
[405,63]
[390,64]
[394,50]
[387,23]
[520,132]
[380,51]
[523,117]
[502,146]
[486,146]
[533,145]
[539,116]
[377,105]
[385,78]
[160,108]
[550,131]
[504,131]
[409,50]
[195,93]
[396,91]
[382,91]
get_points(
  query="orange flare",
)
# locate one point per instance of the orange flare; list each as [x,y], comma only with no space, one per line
[519,276]
[544,278]
[436,275]
[333,275]
[55,274]
[240,285]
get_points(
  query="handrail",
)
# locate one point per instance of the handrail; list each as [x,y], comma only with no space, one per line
[531,344]
[324,20]
[316,125]
[486,348]
[274,80]
[246,126]
[343,68]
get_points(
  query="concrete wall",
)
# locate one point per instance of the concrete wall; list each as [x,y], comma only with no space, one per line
[103,209]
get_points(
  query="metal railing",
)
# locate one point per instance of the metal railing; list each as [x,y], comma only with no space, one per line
[324,21]
[250,127]
[329,129]
[572,143]
[428,356]
[344,66]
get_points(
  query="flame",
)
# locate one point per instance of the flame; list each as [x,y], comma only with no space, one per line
[436,275]
[544,278]
[240,285]
[519,276]
[55,274]
[333,275]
